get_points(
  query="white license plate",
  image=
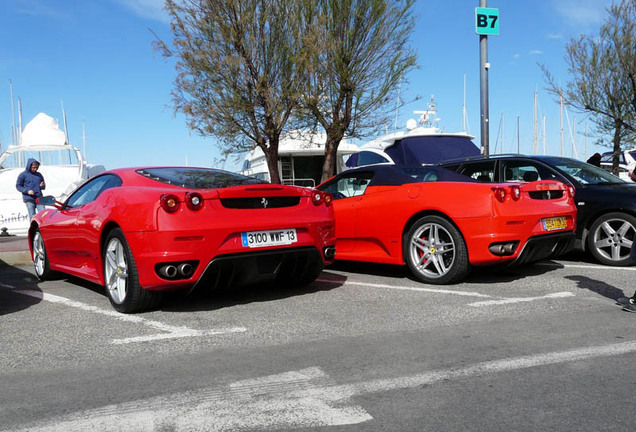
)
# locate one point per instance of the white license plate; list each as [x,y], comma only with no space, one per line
[555,223]
[256,239]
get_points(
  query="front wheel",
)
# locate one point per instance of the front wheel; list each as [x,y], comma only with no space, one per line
[40,257]
[121,278]
[435,251]
[610,238]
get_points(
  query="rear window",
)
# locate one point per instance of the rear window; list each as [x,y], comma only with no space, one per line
[198,178]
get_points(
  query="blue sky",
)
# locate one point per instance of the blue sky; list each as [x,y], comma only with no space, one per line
[96,58]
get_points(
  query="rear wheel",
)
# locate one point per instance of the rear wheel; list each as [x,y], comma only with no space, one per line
[610,238]
[435,252]
[121,277]
[40,257]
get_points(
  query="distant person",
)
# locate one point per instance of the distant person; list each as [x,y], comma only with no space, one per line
[31,183]
[629,303]
[595,159]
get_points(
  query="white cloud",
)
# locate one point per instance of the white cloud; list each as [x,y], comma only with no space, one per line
[554,36]
[40,8]
[516,56]
[582,14]
[148,9]
[535,52]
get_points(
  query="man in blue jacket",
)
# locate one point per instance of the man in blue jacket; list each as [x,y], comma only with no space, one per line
[31,183]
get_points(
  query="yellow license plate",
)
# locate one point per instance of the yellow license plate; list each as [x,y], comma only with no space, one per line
[555,223]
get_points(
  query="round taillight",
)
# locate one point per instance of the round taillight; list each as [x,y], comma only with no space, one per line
[194,201]
[571,190]
[515,192]
[316,197]
[170,203]
[500,193]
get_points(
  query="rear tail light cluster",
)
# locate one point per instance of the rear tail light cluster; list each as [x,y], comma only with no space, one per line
[318,197]
[171,202]
[502,192]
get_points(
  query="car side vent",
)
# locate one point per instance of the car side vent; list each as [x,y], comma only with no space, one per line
[260,202]
[546,195]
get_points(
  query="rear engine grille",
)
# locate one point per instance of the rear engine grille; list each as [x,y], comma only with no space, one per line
[260,202]
[546,195]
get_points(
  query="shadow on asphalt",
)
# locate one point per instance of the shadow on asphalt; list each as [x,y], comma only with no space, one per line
[11,280]
[202,300]
[478,275]
[599,287]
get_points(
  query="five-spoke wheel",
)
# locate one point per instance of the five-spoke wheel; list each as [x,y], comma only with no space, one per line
[435,251]
[610,238]
[40,258]
[121,278]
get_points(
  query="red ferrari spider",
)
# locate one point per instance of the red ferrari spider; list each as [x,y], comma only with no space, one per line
[141,231]
[440,224]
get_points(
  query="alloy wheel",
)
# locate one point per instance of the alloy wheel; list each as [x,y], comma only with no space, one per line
[116,270]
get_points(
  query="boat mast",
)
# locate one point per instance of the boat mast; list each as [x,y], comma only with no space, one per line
[14,132]
[561,120]
[534,134]
[64,119]
[84,139]
[464,107]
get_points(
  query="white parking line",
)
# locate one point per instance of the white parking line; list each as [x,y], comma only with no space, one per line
[305,398]
[407,288]
[496,299]
[581,266]
[521,299]
[171,332]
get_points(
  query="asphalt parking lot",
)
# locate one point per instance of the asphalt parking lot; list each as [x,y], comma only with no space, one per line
[365,347]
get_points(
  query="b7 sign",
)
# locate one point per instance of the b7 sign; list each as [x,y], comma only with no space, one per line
[487,21]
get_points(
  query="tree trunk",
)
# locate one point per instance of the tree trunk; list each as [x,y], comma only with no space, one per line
[271,156]
[331,154]
[617,147]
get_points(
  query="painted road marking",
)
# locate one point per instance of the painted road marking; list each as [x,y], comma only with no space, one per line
[521,299]
[496,299]
[171,332]
[581,266]
[408,288]
[295,399]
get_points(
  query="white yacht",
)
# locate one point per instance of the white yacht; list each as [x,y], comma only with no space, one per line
[61,164]
[301,155]
[423,142]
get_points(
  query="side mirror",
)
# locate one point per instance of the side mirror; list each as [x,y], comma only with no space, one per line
[49,200]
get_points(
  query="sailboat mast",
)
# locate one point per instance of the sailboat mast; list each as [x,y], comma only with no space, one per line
[64,119]
[464,107]
[84,139]
[534,135]
[561,121]
[14,131]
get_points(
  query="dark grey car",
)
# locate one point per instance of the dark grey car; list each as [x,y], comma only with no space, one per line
[606,204]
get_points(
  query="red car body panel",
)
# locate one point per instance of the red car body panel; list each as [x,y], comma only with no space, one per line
[74,237]
[371,227]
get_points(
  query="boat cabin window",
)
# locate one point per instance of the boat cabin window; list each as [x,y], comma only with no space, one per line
[63,157]
[370,158]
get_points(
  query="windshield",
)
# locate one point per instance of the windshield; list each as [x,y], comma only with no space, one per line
[198,178]
[584,172]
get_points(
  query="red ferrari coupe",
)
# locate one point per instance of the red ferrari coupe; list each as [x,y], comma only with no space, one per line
[440,223]
[141,231]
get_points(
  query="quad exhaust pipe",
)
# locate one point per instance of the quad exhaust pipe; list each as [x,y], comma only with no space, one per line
[168,271]
[329,252]
[182,270]
[185,270]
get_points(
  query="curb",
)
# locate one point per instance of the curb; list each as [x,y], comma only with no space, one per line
[15,258]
